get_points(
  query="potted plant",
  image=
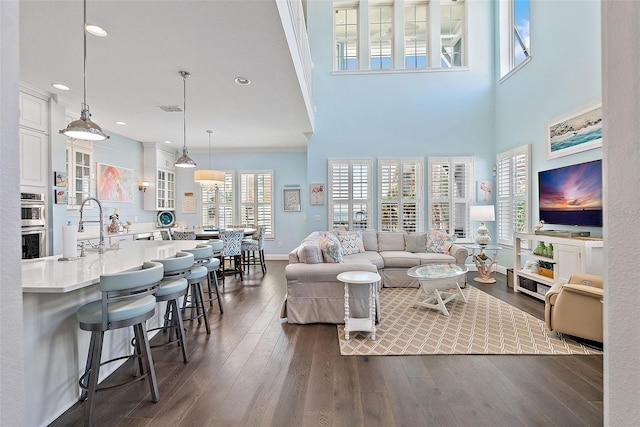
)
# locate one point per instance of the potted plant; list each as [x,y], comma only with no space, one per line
[545,268]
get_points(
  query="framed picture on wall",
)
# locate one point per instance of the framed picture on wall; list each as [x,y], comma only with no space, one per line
[485,191]
[115,184]
[575,132]
[291,200]
[316,192]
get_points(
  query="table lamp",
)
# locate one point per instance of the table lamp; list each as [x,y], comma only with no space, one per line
[482,213]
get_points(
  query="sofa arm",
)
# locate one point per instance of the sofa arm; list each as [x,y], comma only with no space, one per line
[460,253]
[588,291]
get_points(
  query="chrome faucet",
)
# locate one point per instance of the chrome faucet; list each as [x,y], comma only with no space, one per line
[101,246]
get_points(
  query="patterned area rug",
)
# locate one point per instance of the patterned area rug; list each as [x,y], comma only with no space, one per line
[485,325]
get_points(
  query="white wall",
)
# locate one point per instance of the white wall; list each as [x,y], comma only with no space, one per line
[621,154]
[12,395]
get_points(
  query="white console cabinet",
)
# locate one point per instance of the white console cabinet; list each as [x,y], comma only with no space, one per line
[159,171]
[571,255]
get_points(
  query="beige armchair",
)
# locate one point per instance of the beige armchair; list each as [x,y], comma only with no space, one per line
[575,308]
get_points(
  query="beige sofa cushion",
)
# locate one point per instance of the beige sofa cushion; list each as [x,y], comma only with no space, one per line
[310,253]
[370,239]
[391,241]
[369,256]
[415,242]
[399,259]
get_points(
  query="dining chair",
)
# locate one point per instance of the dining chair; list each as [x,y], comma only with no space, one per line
[184,235]
[232,251]
[254,246]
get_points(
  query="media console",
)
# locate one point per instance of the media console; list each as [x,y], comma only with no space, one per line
[571,255]
[563,233]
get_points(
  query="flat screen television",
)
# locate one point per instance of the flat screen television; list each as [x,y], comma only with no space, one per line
[572,195]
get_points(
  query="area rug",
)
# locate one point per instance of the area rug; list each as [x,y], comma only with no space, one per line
[485,325]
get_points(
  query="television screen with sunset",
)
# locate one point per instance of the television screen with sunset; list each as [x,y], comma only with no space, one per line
[572,195]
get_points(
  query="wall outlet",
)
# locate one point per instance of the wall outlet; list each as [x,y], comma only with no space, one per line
[135,218]
[279,244]
[316,217]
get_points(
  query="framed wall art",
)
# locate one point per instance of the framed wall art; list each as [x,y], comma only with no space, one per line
[485,191]
[316,192]
[115,184]
[61,179]
[578,131]
[291,199]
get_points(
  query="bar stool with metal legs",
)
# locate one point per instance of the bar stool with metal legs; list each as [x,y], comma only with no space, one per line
[213,265]
[173,286]
[127,300]
[206,258]
[199,273]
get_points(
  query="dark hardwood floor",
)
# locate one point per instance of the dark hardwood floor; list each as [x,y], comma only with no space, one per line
[257,370]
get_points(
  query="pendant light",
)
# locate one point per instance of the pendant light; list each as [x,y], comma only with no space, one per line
[209,177]
[84,127]
[185,161]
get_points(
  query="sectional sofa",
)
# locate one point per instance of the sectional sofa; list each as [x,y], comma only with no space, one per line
[314,295]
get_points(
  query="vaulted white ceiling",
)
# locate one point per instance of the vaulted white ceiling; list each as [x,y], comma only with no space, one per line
[135,69]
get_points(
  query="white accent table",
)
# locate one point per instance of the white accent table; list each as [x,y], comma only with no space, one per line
[434,280]
[362,324]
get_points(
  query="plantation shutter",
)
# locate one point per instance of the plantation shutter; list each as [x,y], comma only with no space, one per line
[400,194]
[256,200]
[217,211]
[451,192]
[349,193]
[513,193]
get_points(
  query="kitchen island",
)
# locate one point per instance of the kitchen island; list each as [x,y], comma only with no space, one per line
[55,348]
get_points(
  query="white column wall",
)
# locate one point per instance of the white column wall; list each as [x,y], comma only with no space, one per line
[11,348]
[621,154]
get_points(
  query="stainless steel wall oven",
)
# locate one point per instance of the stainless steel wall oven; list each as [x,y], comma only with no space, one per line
[34,225]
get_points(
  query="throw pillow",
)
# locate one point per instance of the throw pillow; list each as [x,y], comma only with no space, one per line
[352,241]
[439,241]
[349,244]
[415,242]
[331,248]
[310,254]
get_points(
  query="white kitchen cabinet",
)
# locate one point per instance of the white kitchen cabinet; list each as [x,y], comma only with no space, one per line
[80,172]
[34,112]
[570,256]
[159,171]
[34,157]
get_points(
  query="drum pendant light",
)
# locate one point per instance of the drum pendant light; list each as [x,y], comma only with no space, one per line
[185,161]
[209,177]
[84,127]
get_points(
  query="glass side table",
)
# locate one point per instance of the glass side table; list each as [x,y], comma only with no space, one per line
[484,262]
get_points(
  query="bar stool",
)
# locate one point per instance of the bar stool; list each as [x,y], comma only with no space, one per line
[199,273]
[209,260]
[127,300]
[232,249]
[172,287]
[249,249]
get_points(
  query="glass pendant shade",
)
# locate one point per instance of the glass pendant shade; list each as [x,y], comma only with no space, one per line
[84,127]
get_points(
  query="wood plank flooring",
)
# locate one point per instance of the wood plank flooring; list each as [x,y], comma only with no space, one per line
[257,370]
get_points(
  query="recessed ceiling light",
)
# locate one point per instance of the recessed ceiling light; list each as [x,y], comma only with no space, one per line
[120,123]
[243,81]
[60,86]
[95,30]
[167,142]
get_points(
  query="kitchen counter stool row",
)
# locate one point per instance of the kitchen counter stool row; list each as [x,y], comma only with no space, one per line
[129,299]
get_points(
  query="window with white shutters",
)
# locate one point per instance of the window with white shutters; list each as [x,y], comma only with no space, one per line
[256,200]
[350,193]
[400,194]
[513,193]
[451,194]
[217,203]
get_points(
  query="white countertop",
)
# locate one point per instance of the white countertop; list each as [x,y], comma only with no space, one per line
[48,275]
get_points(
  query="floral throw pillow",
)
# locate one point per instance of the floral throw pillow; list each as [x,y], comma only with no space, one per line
[439,241]
[331,248]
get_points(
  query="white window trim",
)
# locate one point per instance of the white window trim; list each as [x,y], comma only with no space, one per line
[229,187]
[368,163]
[505,193]
[506,25]
[419,178]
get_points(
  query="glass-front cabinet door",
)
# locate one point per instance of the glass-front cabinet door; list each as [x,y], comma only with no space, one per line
[165,193]
[79,173]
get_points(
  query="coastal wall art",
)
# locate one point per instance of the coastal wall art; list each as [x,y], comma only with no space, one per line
[578,131]
[115,184]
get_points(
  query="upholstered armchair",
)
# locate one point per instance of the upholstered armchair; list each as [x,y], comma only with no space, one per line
[575,308]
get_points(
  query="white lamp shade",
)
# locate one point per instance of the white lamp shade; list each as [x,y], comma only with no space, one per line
[482,213]
[209,177]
